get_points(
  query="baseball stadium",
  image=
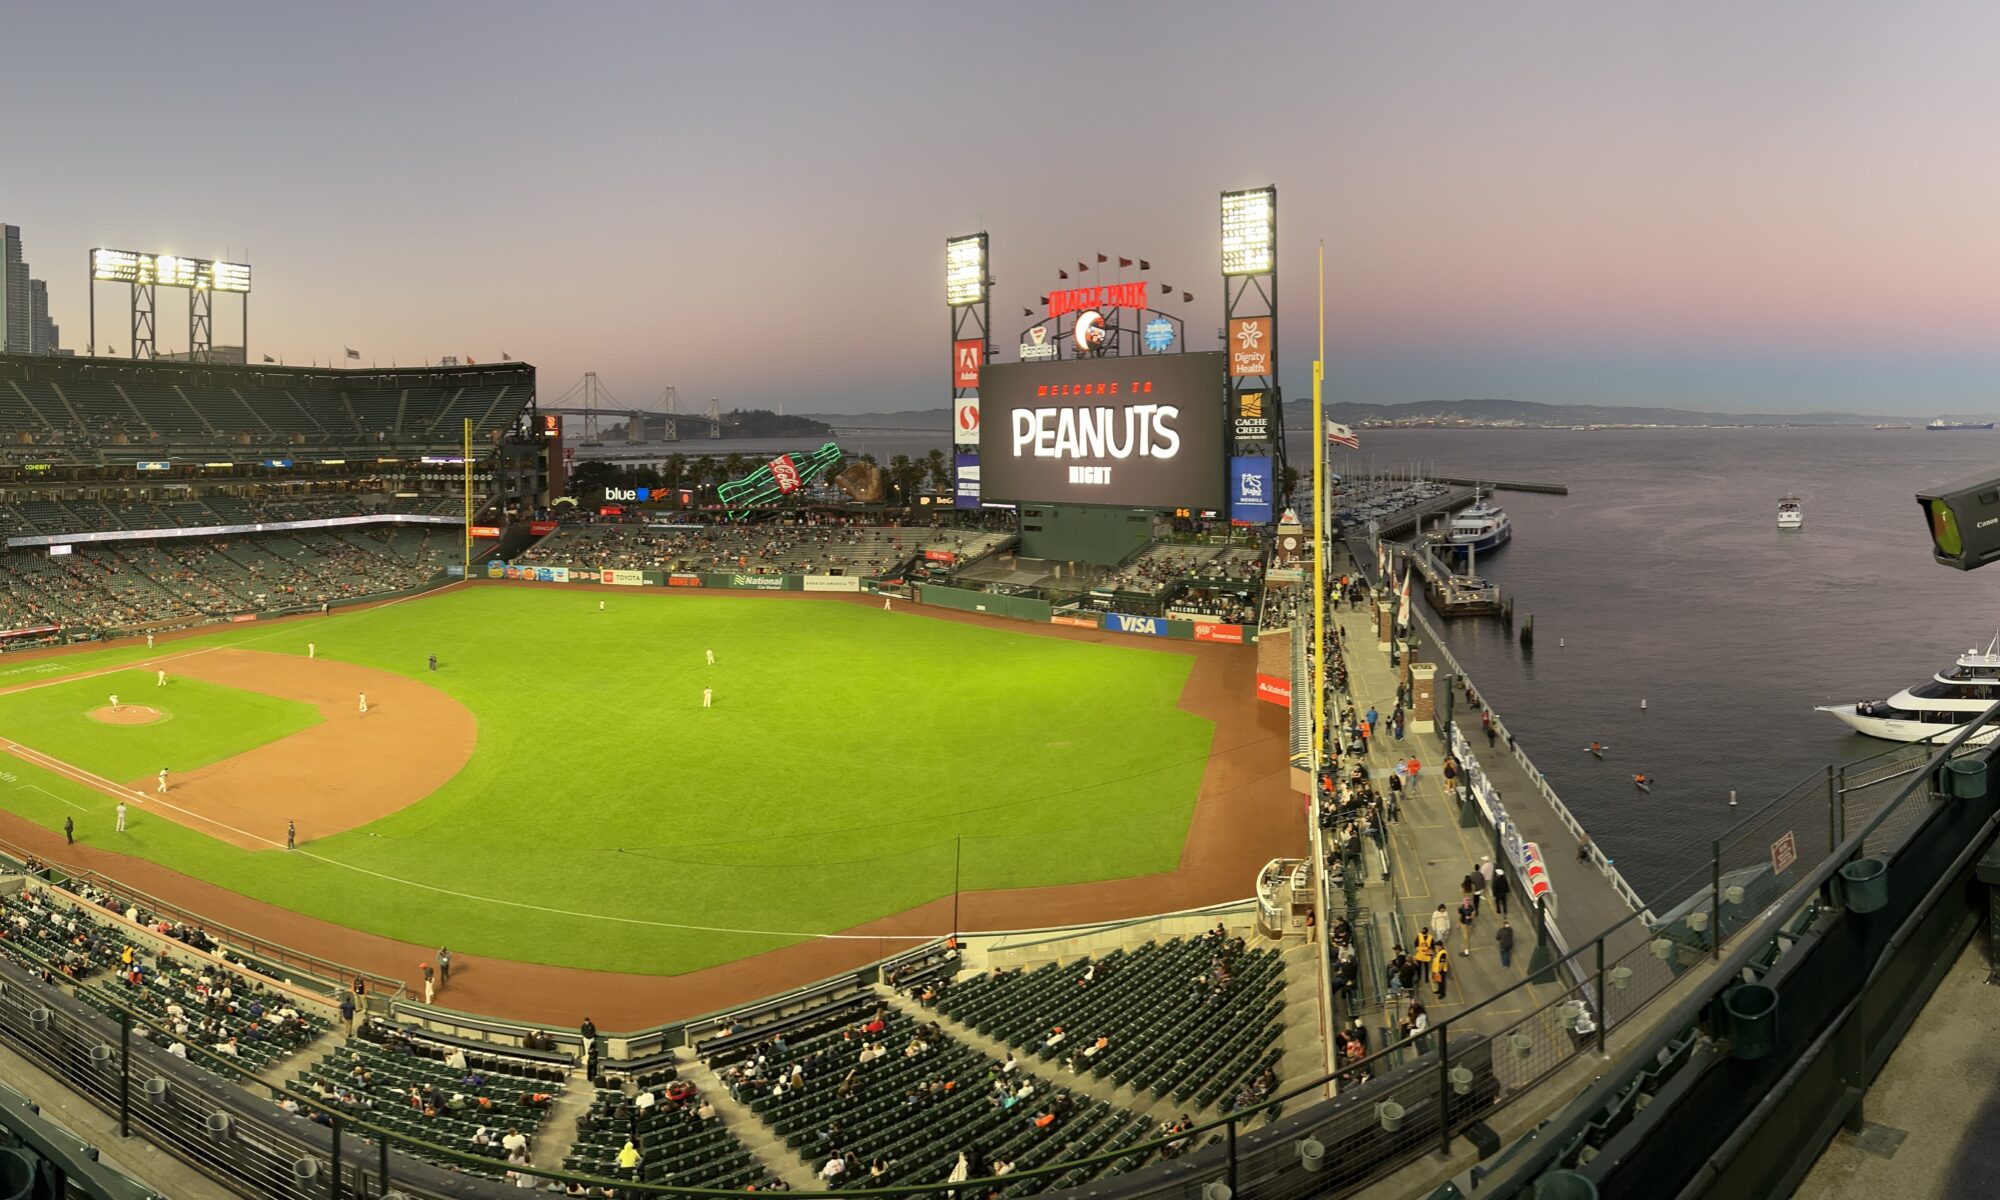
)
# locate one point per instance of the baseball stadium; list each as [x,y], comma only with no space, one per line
[402,796]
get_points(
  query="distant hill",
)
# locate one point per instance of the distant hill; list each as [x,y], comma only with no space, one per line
[1529,412]
[926,418]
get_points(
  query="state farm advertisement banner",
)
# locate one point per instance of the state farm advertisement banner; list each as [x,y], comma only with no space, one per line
[622,578]
[786,473]
[1275,690]
[1250,345]
[1233,634]
[965,359]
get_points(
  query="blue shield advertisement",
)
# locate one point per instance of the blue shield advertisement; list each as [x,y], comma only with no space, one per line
[1251,489]
[967,495]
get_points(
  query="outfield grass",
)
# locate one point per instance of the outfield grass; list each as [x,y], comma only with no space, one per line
[202,723]
[854,762]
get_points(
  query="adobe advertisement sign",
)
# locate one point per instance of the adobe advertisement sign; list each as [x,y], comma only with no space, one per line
[1142,432]
[965,359]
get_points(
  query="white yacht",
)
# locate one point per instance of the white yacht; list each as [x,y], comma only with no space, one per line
[1790,515]
[1934,708]
[1479,528]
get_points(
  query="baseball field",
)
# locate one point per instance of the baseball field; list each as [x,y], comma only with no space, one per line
[555,792]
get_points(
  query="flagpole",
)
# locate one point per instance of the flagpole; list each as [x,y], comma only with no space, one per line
[1319,536]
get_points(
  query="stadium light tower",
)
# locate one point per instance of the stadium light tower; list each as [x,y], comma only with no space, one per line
[201,278]
[1250,315]
[968,295]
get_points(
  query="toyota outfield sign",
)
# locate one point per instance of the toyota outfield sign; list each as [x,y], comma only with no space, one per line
[1143,432]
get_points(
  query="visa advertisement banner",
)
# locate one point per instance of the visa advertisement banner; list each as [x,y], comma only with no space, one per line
[1126,623]
[1251,489]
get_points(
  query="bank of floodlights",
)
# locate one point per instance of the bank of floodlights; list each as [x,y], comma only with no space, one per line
[1249,231]
[965,270]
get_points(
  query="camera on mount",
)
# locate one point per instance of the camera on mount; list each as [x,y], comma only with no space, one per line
[1964,520]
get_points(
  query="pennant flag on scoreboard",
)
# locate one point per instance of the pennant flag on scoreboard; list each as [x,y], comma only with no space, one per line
[1081,267]
[1029,312]
[1062,274]
[269,359]
[1144,265]
[1101,258]
[506,357]
[1342,435]
[1187,297]
[1167,289]
[1403,605]
[1042,300]
[1124,262]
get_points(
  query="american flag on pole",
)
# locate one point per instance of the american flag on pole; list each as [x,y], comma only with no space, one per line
[1403,605]
[1342,435]
[351,352]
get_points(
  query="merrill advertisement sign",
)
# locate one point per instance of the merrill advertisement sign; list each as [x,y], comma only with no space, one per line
[1251,489]
[1142,432]
[967,495]
[1125,623]
[622,578]
[833,583]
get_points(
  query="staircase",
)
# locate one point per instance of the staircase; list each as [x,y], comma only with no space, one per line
[737,1118]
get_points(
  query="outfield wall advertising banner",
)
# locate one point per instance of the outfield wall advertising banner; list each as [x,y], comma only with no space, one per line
[1126,623]
[486,531]
[1079,621]
[1251,489]
[966,467]
[759,583]
[682,579]
[551,574]
[1144,432]
[833,583]
[541,528]
[1232,634]
[1273,690]
[622,578]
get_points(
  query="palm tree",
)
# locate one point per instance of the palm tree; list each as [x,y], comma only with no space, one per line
[940,471]
[674,469]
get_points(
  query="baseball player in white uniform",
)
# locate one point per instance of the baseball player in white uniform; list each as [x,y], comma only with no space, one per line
[162,789]
[707,697]
[162,681]
[711,658]
[364,704]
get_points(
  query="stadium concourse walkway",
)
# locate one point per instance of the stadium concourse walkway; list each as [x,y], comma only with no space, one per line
[1430,852]
[1246,816]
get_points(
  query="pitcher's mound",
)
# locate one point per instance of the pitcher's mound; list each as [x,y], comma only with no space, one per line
[126,714]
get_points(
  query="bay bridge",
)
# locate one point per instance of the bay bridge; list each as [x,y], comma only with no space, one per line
[663,419]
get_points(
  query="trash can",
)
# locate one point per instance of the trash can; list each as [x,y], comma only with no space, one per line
[17,1175]
[1390,1114]
[1965,778]
[1864,884]
[304,1170]
[1750,1017]
[1564,1185]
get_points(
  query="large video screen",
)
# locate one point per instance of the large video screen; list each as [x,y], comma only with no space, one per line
[1143,432]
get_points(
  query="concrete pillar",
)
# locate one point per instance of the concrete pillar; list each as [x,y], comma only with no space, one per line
[1423,697]
[1385,625]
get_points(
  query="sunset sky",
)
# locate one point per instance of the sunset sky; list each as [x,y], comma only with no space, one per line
[1770,206]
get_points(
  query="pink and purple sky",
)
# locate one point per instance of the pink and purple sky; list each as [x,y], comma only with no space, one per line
[1772,206]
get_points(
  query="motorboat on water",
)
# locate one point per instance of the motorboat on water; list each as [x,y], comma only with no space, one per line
[1479,528]
[1934,708]
[1790,515]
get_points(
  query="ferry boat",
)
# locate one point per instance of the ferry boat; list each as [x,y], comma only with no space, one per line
[1479,528]
[1940,425]
[1886,425]
[1790,515]
[1934,708]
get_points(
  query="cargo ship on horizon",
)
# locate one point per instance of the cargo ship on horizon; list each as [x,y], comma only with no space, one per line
[1940,425]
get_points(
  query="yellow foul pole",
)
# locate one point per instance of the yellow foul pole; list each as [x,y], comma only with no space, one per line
[468,499]
[1319,532]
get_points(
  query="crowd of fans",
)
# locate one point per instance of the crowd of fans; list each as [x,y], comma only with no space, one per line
[824,547]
